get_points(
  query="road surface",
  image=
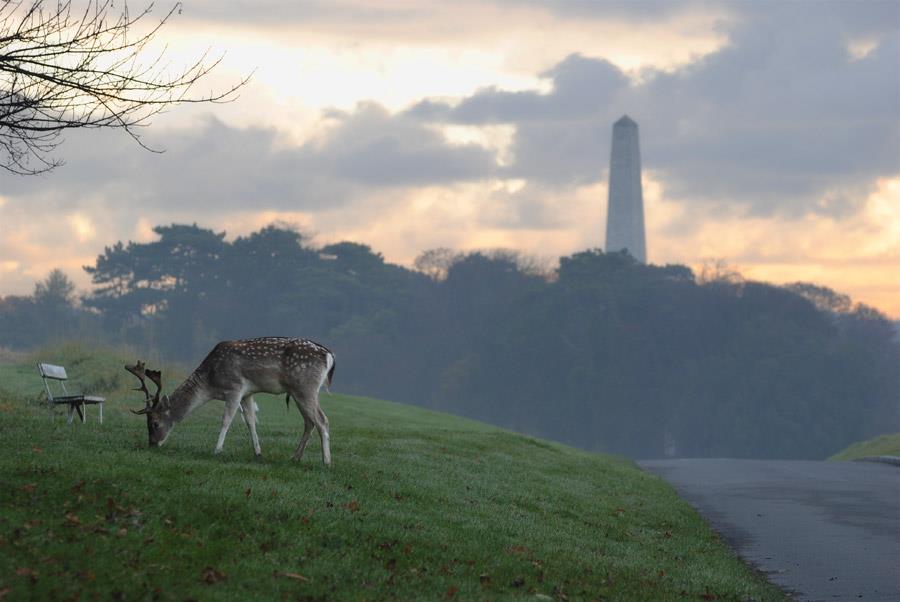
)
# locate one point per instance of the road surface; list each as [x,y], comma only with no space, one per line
[821,530]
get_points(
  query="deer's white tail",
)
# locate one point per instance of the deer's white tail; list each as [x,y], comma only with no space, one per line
[329,370]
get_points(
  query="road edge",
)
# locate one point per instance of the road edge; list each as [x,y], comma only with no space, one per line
[894,460]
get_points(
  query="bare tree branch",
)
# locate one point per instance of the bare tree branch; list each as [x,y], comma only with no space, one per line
[61,69]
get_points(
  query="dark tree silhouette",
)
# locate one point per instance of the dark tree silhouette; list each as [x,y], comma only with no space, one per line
[64,68]
[609,354]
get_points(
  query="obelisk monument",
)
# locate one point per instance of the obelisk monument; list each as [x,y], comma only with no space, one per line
[625,212]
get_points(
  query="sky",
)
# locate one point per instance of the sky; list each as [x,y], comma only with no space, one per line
[770,136]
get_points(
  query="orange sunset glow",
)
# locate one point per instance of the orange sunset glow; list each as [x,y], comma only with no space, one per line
[770,138]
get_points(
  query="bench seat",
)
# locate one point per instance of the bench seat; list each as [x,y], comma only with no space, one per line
[76,403]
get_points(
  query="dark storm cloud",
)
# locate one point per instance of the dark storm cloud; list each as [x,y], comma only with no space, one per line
[581,88]
[372,147]
[626,10]
[226,168]
[560,136]
[857,17]
[778,119]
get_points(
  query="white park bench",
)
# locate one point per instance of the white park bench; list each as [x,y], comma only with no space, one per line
[77,403]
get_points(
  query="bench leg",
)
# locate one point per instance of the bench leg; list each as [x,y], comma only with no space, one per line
[80,407]
[101,412]
[71,413]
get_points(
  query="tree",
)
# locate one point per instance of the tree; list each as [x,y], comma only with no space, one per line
[56,290]
[435,263]
[64,69]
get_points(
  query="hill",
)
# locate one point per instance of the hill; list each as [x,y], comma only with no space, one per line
[418,505]
[885,445]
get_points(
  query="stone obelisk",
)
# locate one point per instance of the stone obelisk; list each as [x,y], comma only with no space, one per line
[625,212]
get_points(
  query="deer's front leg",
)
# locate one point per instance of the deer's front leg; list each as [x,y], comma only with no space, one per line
[231,407]
[249,405]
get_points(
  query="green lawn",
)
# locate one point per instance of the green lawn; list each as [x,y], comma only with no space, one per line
[885,445]
[418,505]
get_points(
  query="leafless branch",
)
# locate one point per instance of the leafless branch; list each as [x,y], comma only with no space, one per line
[62,69]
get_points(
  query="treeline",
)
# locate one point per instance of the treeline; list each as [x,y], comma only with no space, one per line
[602,352]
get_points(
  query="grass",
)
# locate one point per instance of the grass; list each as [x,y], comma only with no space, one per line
[885,445]
[418,505]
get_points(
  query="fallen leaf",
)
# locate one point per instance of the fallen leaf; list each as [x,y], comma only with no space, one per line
[4,591]
[296,576]
[352,506]
[249,491]
[77,487]
[37,450]
[25,571]
[29,488]
[451,591]
[72,519]
[209,575]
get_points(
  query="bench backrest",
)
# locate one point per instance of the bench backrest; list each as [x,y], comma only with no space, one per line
[51,371]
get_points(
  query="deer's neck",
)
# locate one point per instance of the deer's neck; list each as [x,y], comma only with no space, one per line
[190,395]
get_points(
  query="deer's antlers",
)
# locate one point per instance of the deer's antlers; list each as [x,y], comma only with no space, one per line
[155,376]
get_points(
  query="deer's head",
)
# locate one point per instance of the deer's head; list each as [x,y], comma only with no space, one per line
[159,421]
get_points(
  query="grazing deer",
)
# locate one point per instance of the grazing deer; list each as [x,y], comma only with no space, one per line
[235,370]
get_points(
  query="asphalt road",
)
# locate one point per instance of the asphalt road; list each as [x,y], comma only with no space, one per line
[821,530]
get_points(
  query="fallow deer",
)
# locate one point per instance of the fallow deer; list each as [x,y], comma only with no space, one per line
[235,370]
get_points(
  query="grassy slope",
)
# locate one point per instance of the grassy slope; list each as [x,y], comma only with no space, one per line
[417,505]
[885,445]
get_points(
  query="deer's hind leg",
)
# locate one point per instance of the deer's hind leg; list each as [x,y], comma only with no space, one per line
[308,425]
[324,431]
[313,417]
[249,406]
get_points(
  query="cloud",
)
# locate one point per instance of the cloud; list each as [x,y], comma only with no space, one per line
[218,166]
[772,119]
[400,14]
[782,120]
